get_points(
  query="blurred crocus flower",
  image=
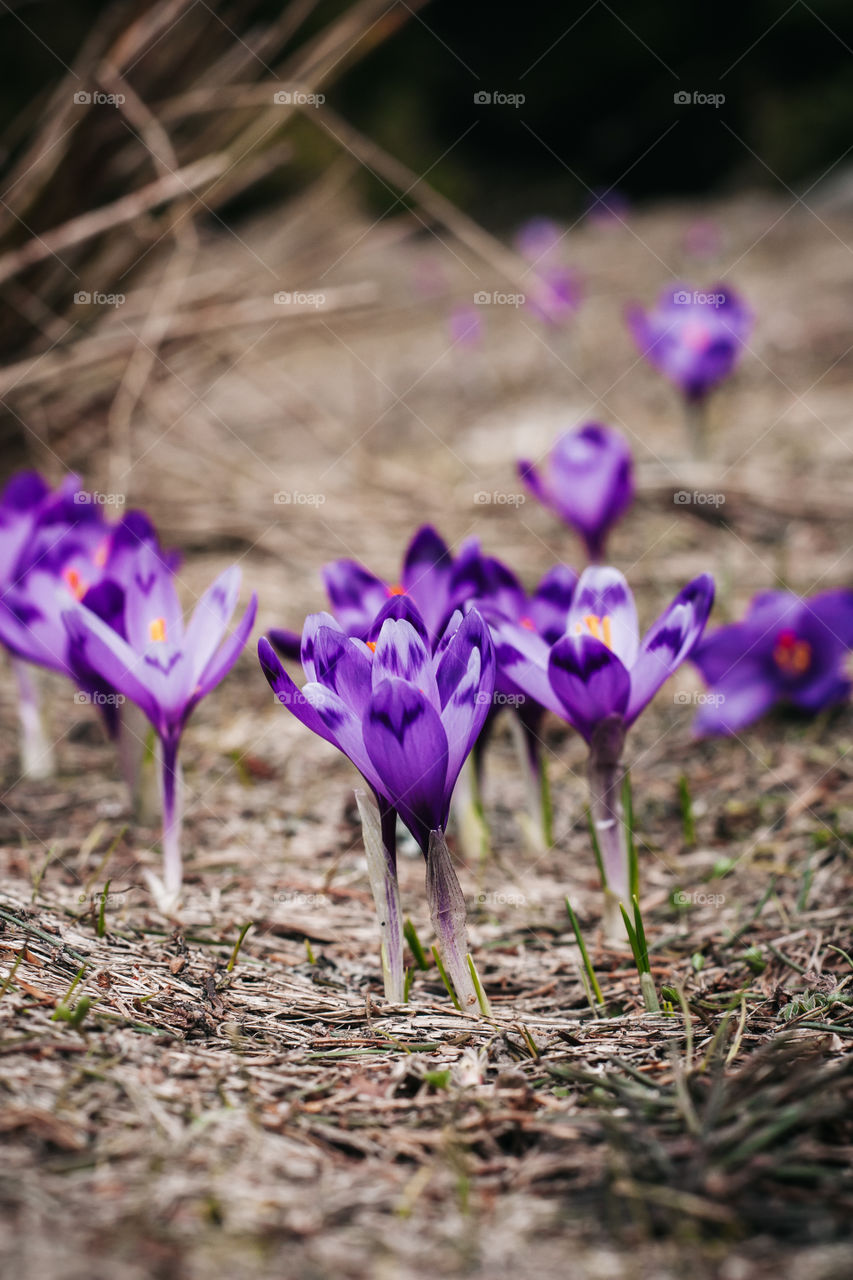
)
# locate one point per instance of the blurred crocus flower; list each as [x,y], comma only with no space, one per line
[407,718]
[539,239]
[588,480]
[552,290]
[695,339]
[599,676]
[164,668]
[465,326]
[55,548]
[553,293]
[786,650]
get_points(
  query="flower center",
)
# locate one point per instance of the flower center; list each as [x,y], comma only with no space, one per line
[792,656]
[695,335]
[528,624]
[599,628]
[76,584]
[157,630]
[396,590]
[371,644]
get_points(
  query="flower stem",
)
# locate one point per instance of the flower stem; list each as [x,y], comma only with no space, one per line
[378,829]
[696,423]
[606,773]
[171,793]
[448,915]
[37,756]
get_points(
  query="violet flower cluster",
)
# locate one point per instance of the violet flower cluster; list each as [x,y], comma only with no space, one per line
[96,601]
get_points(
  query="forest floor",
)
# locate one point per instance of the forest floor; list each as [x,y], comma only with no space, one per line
[165,1112]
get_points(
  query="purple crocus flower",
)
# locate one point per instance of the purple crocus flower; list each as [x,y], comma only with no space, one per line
[164,667]
[588,480]
[539,239]
[71,554]
[407,718]
[553,294]
[786,650]
[356,595]
[695,339]
[465,326]
[599,676]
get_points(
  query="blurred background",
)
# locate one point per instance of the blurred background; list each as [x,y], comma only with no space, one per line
[241,248]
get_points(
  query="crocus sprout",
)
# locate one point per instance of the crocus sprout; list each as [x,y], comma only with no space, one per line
[407,718]
[695,339]
[599,676]
[166,669]
[587,480]
[786,650]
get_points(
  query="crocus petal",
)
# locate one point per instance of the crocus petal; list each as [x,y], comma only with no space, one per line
[151,602]
[603,593]
[223,660]
[311,626]
[346,730]
[453,666]
[343,666]
[288,643]
[669,641]
[403,608]
[104,651]
[522,663]
[354,593]
[535,482]
[590,681]
[549,605]
[426,572]
[736,703]
[407,744]
[464,714]
[289,694]
[210,617]
[401,653]
[827,691]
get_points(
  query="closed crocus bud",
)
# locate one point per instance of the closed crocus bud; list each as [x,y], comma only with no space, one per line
[587,480]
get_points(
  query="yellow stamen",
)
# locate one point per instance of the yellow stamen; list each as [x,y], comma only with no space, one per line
[157,630]
[599,628]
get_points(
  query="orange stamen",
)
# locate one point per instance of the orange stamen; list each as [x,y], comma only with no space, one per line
[397,590]
[371,644]
[76,584]
[528,623]
[157,630]
[791,655]
[101,552]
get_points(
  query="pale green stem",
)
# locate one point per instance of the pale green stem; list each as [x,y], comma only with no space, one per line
[37,755]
